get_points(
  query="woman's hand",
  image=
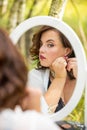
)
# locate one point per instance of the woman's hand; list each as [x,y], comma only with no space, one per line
[72,65]
[59,67]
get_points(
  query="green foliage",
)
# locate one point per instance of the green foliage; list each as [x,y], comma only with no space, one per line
[75,15]
[32,8]
[78,113]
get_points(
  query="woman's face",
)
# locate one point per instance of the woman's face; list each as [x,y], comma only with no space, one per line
[51,48]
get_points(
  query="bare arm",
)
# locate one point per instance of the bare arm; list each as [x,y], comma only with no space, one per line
[54,92]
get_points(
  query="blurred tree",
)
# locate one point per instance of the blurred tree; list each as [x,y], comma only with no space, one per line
[57,8]
[16,14]
[3,7]
[80,27]
[31,9]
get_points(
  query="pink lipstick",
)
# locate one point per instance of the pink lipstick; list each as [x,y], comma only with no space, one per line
[42,57]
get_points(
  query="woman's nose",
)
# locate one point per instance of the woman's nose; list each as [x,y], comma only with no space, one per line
[42,48]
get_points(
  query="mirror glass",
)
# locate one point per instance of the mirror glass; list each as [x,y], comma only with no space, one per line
[52,48]
[31,25]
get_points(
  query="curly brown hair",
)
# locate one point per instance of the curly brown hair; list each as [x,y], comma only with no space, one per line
[13,73]
[34,50]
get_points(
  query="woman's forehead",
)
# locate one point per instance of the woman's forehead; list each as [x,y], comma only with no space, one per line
[51,35]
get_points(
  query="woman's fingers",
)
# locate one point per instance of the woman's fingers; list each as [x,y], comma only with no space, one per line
[72,65]
[59,67]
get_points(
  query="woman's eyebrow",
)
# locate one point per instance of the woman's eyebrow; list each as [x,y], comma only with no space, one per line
[49,40]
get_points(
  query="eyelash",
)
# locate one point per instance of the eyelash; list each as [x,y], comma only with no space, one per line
[48,45]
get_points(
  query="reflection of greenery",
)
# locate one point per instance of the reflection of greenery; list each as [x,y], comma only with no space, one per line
[75,15]
[78,113]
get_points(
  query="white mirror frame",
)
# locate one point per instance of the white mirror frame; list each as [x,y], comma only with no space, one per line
[77,46]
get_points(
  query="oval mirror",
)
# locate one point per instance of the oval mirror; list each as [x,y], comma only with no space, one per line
[77,47]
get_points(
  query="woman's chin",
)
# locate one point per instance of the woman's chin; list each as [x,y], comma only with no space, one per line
[44,65]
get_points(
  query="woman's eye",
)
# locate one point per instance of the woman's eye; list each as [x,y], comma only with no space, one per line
[50,45]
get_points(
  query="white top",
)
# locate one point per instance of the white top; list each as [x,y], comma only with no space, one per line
[39,79]
[29,120]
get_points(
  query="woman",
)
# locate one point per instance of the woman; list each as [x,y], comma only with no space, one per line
[13,92]
[56,70]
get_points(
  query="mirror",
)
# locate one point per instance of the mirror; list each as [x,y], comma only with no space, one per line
[78,49]
[52,45]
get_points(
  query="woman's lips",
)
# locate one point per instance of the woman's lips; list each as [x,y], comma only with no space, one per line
[42,57]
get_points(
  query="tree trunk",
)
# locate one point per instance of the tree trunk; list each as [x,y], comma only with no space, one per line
[3,7]
[21,10]
[57,8]
[16,14]
[31,10]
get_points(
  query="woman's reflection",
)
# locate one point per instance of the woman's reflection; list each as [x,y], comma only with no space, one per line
[56,70]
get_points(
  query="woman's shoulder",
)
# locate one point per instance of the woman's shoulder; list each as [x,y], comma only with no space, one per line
[35,73]
[31,120]
[35,79]
[38,71]
[38,78]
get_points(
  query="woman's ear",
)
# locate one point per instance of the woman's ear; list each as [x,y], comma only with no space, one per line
[68,51]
